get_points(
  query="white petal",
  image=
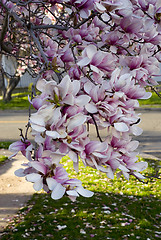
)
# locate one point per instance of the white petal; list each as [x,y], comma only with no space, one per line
[126,175]
[73,156]
[53,134]
[105,17]
[91,50]
[132,146]
[65,85]
[76,87]
[110,173]
[84,62]
[76,166]
[139,175]
[33,177]
[37,119]
[76,121]
[88,87]
[147,95]
[84,192]
[58,192]
[41,84]
[38,128]
[91,108]
[72,193]
[20,172]
[38,185]
[82,100]
[136,130]
[99,155]
[141,166]
[51,183]
[121,127]
[69,99]
[123,168]
[94,68]
[99,7]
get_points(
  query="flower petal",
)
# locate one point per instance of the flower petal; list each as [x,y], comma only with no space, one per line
[84,62]
[33,177]
[58,192]
[20,172]
[82,100]
[38,185]
[76,121]
[91,108]
[39,167]
[72,193]
[51,183]
[84,192]
[121,127]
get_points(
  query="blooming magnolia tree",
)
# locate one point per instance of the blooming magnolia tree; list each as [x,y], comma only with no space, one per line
[93,60]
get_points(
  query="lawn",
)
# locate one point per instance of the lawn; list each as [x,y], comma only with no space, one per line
[118,210]
[5,145]
[19,101]
[3,159]
[154,101]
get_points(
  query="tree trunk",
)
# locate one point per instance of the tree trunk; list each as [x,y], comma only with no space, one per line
[12,83]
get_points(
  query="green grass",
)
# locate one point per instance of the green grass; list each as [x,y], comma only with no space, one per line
[19,101]
[3,159]
[4,145]
[118,210]
[154,101]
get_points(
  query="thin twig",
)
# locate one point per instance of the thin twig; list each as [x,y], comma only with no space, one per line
[98,134]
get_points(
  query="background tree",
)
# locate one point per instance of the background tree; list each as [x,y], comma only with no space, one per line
[93,60]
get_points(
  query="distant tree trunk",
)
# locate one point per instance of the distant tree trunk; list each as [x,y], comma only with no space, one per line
[12,81]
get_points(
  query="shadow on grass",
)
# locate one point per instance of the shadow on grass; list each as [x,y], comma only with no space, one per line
[104,216]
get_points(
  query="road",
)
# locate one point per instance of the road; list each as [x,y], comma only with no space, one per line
[150,140]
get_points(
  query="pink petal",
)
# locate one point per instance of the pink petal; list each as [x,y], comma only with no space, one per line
[39,167]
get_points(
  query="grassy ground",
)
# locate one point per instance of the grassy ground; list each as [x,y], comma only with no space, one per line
[118,210]
[19,101]
[154,101]
[5,145]
[3,159]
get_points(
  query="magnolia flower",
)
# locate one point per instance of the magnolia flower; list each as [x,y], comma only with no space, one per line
[24,146]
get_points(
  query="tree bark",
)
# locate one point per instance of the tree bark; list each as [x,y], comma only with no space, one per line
[12,83]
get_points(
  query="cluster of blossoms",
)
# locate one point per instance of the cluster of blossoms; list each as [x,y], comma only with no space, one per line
[95,58]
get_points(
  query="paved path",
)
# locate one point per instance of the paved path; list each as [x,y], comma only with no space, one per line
[14,191]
